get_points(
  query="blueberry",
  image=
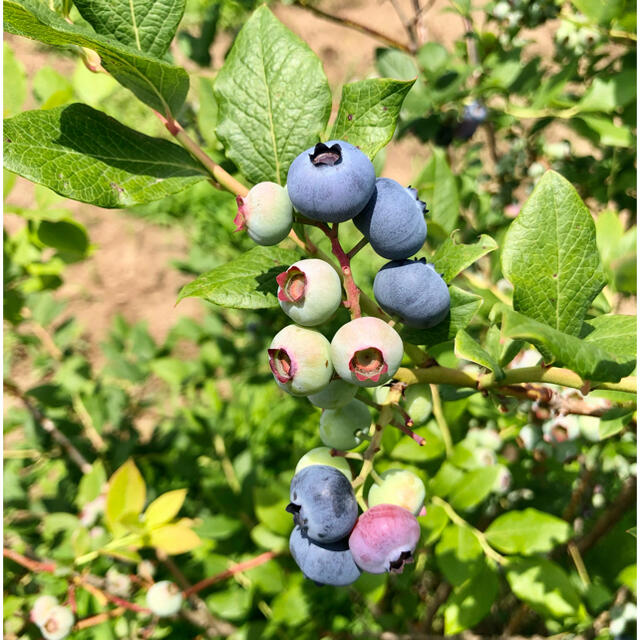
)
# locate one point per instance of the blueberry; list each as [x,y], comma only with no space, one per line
[331,182]
[57,623]
[338,427]
[336,394]
[474,114]
[266,213]
[164,598]
[413,291]
[300,360]
[384,539]
[330,563]
[322,455]
[323,503]
[309,291]
[393,220]
[400,487]
[41,608]
[366,352]
[417,402]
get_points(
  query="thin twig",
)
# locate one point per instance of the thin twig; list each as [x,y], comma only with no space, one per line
[440,419]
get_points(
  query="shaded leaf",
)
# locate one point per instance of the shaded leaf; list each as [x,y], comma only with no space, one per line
[273,98]
[452,257]
[473,488]
[467,348]
[437,187]
[458,554]
[248,282]
[14,82]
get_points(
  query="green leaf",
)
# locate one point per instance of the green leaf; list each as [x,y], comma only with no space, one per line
[551,257]
[410,451]
[146,25]
[437,187]
[601,130]
[614,421]
[14,83]
[174,539]
[67,236]
[51,89]
[433,523]
[164,508]
[158,84]
[615,334]
[459,555]
[231,604]
[629,578]
[544,586]
[464,306]
[266,539]
[270,508]
[587,359]
[527,532]
[84,154]
[248,282]
[273,98]
[392,63]
[466,348]
[600,11]
[443,483]
[452,257]
[471,602]
[369,111]
[473,488]
[91,484]
[609,93]
[126,495]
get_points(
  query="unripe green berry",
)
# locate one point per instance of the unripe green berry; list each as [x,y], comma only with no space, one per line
[266,213]
[400,487]
[338,427]
[164,598]
[322,455]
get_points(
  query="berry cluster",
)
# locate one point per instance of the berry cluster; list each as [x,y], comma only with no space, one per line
[328,184]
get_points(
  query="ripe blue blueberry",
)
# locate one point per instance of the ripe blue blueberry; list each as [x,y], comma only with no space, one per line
[384,539]
[393,220]
[322,455]
[473,115]
[331,182]
[266,213]
[323,503]
[164,598]
[339,427]
[413,291]
[309,291]
[336,394]
[366,352]
[330,563]
[300,360]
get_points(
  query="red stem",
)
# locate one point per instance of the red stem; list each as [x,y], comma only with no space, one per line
[412,434]
[27,563]
[353,293]
[237,568]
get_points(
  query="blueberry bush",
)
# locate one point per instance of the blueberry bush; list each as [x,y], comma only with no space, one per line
[407,411]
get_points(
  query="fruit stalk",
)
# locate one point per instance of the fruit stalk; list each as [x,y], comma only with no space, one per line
[350,287]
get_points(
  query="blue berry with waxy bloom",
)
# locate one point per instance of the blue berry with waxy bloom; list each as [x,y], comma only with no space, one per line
[339,427]
[331,182]
[474,114]
[323,503]
[164,598]
[393,220]
[330,563]
[384,539]
[266,213]
[366,352]
[309,291]
[413,291]
[335,395]
[322,455]
[300,360]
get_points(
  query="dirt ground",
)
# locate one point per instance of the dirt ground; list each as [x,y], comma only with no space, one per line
[129,272]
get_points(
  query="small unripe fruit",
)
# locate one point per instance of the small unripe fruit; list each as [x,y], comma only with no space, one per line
[266,213]
[322,503]
[57,624]
[414,291]
[309,291]
[331,182]
[488,438]
[400,487]
[335,395]
[41,608]
[366,352]
[338,427]
[164,598]
[384,539]
[322,455]
[300,360]
[417,402]
[561,429]
[503,481]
